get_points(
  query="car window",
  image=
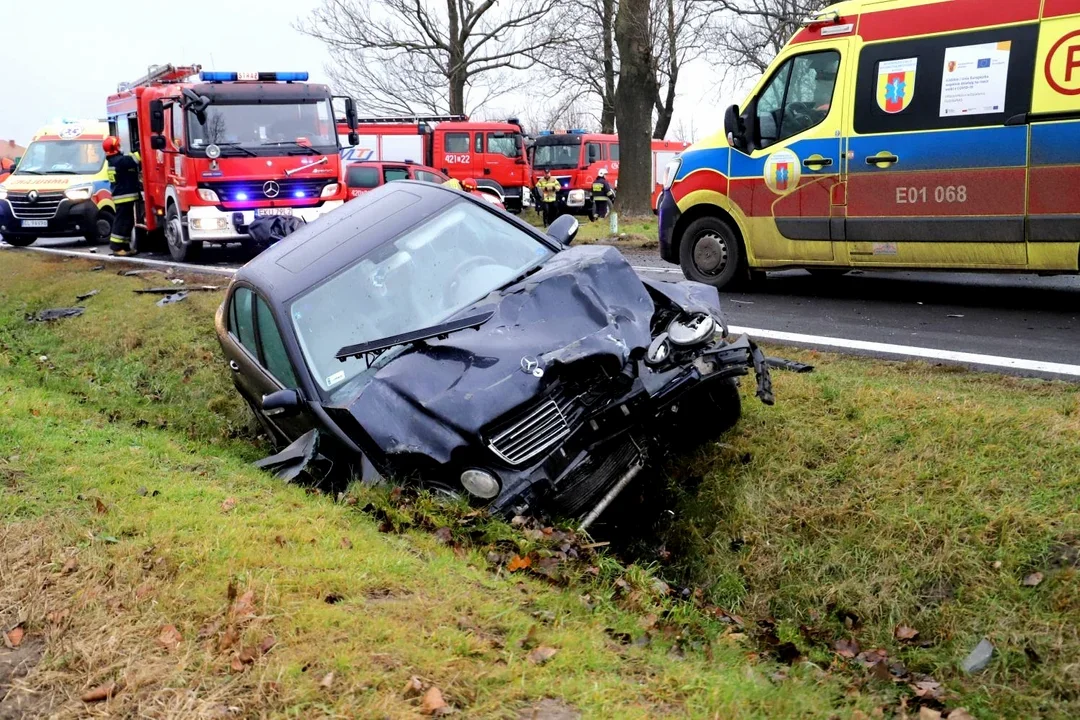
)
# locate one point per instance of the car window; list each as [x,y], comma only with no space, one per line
[457,142]
[798,97]
[592,152]
[501,144]
[240,320]
[395,173]
[613,151]
[362,177]
[479,144]
[430,177]
[275,359]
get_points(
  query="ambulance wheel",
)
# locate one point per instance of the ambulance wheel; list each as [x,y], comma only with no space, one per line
[101,229]
[710,253]
[180,247]
[20,240]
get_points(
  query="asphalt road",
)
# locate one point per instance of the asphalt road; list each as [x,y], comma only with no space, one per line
[1013,316]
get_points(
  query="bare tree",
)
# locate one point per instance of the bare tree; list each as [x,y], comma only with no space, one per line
[749,33]
[409,56]
[634,101]
[679,29]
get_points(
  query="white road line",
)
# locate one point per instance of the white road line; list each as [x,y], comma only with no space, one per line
[962,358]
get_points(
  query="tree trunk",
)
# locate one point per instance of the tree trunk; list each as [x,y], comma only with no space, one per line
[633,107]
[607,111]
[456,70]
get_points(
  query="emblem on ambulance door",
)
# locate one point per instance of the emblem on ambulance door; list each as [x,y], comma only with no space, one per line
[783,172]
[896,84]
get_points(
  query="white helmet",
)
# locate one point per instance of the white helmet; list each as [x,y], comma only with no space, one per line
[601,172]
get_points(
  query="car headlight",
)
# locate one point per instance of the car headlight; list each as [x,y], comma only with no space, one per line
[3,193]
[329,190]
[208,195]
[670,171]
[78,192]
[691,330]
[480,483]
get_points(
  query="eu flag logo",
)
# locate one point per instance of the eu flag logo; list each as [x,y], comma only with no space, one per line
[984,63]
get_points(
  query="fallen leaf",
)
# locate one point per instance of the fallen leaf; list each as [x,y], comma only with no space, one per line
[70,566]
[244,605]
[267,642]
[15,636]
[903,632]
[413,687]
[926,713]
[541,655]
[57,616]
[444,535]
[101,692]
[228,504]
[880,670]
[846,648]
[327,681]
[100,506]
[929,689]
[518,563]
[143,591]
[248,655]
[346,543]
[433,701]
[230,593]
[237,665]
[960,714]
[1033,579]
[170,638]
[648,622]
[279,540]
[230,638]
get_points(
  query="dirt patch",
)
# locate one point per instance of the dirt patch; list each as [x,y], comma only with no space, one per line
[15,663]
[549,709]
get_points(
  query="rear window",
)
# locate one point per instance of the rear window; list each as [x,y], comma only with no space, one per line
[391,174]
[362,177]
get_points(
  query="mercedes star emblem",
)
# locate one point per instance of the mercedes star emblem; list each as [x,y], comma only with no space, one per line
[532,366]
[32,196]
[271,189]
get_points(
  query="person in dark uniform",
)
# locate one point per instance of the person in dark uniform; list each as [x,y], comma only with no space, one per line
[602,194]
[124,176]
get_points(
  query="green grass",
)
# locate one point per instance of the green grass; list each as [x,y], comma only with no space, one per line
[872,495]
[634,232]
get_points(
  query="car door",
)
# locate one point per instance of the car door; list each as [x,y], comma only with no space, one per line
[259,361]
[784,180]
[937,171]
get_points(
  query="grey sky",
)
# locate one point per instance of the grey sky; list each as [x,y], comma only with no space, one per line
[59,59]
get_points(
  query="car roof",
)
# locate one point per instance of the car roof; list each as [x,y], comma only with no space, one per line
[338,239]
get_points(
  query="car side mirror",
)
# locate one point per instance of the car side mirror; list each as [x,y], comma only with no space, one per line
[157,116]
[157,142]
[281,402]
[564,229]
[733,126]
[354,139]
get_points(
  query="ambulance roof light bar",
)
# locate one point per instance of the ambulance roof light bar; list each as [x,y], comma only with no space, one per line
[825,17]
[161,74]
[288,77]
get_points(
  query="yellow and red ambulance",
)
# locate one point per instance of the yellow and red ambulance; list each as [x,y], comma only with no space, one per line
[60,187]
[931,134]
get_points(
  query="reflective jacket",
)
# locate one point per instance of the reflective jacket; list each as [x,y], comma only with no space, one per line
[601,190]
[124,176]
[549,189]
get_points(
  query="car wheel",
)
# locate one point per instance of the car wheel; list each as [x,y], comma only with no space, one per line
[102,228]
[20,240]
[710,253]
[180,247]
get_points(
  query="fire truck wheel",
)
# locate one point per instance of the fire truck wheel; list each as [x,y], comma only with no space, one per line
[180,247]
[710,253]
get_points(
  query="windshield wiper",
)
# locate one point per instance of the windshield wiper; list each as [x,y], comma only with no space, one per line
[236,146]
[20,171]
[307,148]
[370,351]
[61,172]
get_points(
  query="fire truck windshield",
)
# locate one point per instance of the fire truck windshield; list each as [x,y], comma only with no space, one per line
[557,153]
[271,126]
[62,157]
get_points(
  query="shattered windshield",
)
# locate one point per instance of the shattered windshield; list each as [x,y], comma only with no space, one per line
[420,279]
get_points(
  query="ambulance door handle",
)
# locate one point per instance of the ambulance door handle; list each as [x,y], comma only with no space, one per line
[817,162]
[882,160]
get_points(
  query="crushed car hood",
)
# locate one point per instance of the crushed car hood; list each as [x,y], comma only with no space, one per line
[585,303]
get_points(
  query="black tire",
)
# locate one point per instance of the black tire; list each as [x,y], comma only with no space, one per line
[20,240]
[710,253]
[176,237]
[102,228]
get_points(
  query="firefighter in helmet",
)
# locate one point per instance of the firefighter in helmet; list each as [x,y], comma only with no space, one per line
[602,194]
[124,177]
[549,187]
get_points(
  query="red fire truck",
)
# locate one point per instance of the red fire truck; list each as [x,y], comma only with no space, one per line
[575,156]
[492,153]
[228,148]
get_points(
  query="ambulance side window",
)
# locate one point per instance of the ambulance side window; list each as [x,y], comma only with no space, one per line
[798,98]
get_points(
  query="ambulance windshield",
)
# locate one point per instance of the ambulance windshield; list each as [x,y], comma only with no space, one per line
[62,157]
[279,127]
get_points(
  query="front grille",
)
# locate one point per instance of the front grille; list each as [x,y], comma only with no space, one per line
[43,209]
[541,427]
[253,190]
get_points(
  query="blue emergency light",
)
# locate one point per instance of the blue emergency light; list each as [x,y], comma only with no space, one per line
[547,132]
[215,76]
[577,131]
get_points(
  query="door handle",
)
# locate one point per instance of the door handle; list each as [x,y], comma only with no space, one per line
[882,159]
[817,162]
[234,366]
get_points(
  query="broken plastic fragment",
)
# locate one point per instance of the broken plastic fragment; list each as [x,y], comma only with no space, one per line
[294,459]
[55,314]
[170,299]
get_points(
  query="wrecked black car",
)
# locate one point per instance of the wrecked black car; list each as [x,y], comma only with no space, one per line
[420,334]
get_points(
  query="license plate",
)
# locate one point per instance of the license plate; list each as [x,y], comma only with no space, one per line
[35,223]
[267,212]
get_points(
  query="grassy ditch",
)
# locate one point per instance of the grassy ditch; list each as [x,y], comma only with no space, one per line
[142,557]
[635,233]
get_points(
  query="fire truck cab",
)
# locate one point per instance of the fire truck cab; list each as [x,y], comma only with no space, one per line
[576,156]
[232,147]
[491,152]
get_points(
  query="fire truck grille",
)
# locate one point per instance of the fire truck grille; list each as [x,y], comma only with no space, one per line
[44,208]
[255,190]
